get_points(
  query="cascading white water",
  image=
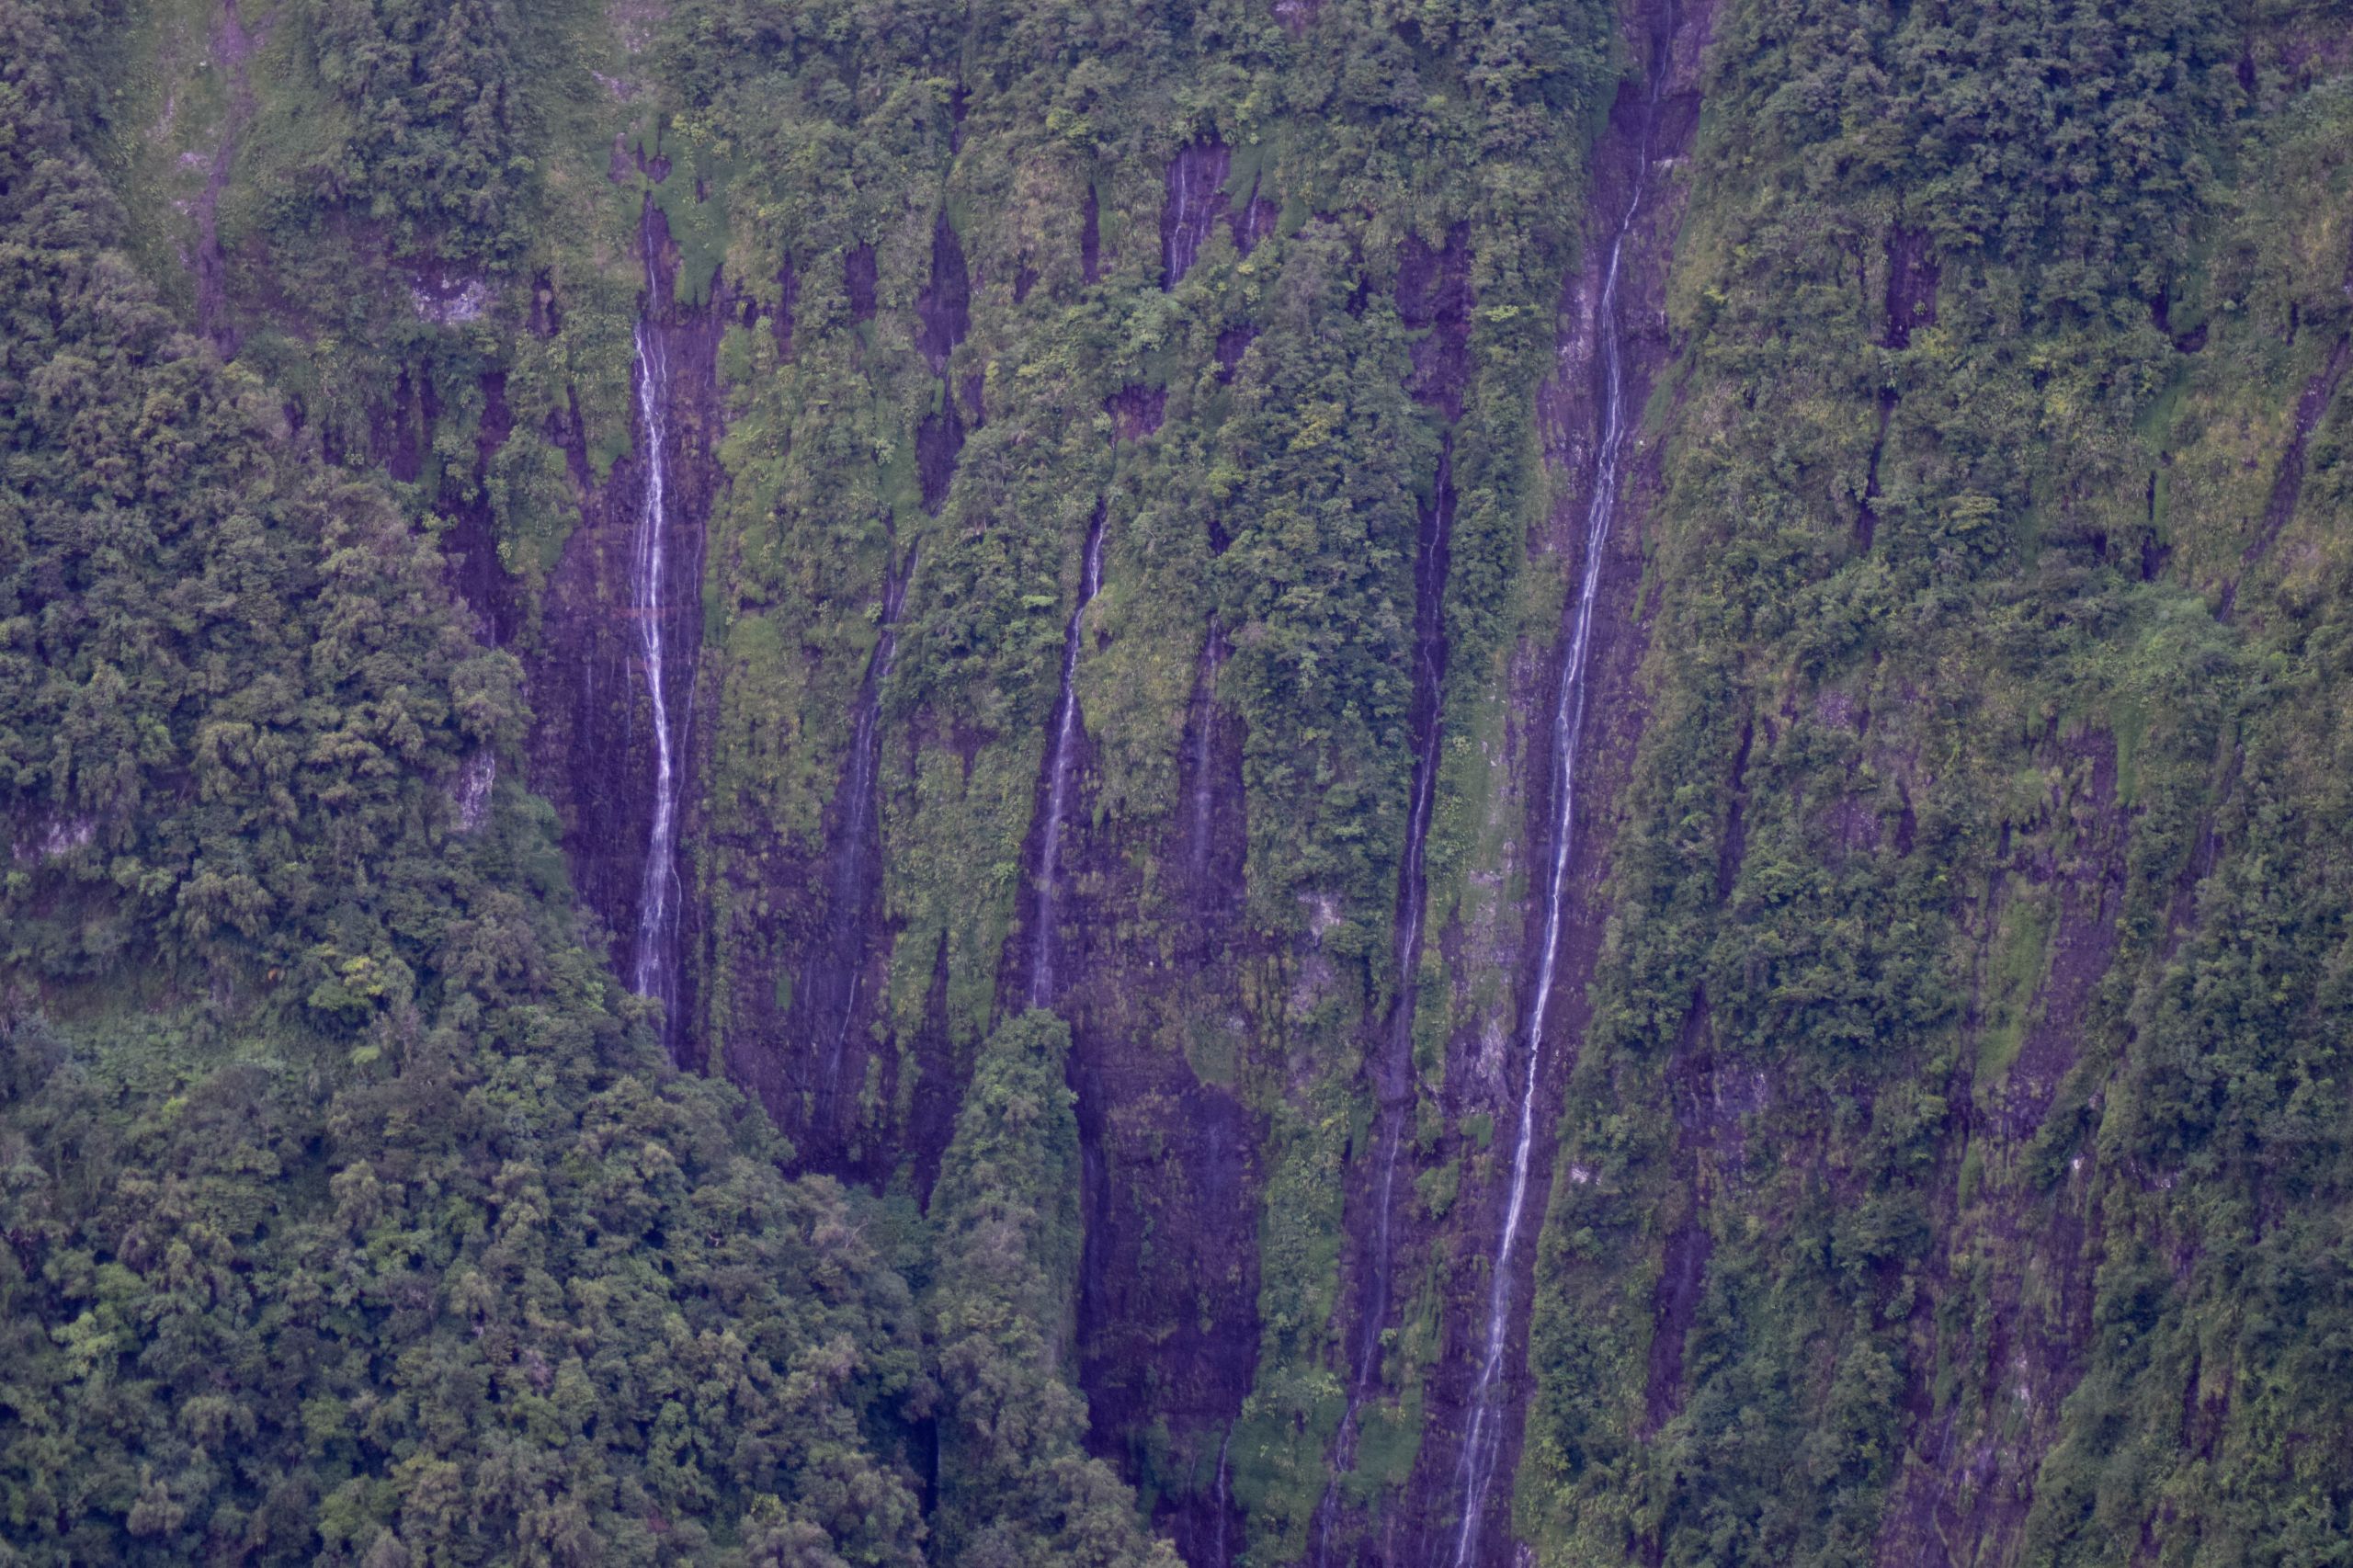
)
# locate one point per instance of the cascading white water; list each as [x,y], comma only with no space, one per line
[1482,1437]
[1196,180]
[1042,957]
[1180,238]
[657,906]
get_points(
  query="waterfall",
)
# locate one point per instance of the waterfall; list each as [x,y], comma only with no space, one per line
[855,851]
[1057,766]
[1394,1072]
[656,970]
[1222,1555]
[1196,185]
[1482,1438]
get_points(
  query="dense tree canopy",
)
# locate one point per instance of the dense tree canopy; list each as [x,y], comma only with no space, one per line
[1952,1138]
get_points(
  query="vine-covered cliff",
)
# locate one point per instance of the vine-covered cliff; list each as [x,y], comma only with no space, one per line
[836,781]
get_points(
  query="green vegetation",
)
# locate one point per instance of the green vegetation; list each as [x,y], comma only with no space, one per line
[429,101]
[351,1216]
[1979,1093]
[1891,1198]
[1015,1485]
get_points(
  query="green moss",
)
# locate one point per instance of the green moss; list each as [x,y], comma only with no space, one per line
[1437,1188]
[2020,957]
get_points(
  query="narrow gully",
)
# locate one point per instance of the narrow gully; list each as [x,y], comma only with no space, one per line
[1482,1436]
[1394,1068]
[1058,773]
[857,853]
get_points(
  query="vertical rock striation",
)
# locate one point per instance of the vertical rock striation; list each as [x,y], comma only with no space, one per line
[1611,350]
[613,674]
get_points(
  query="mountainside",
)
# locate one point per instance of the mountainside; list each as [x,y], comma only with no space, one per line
[820,783]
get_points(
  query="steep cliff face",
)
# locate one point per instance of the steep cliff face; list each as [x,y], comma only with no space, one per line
[614,669]
[1862,1207]
[1656,689]
[1577,715]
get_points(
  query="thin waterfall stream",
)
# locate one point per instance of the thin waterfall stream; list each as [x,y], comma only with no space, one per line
[1058,772]
[654,970]
[1483,1436]
[855,852]
[1224,1554]
[1394,1068]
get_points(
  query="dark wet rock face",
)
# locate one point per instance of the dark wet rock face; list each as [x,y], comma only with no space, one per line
[2024,1231]
[1253,219]
[1911,303]
[1166,1327]
[938,439]
[400,428]
[1433,301]
[471,547]
[1580,716]
[1167,1319]
[593,750]
[547,311]
[943,317]
[944,309]
[1034,964]
[1136,411]
[1231,343]
[1911,278]
[838,985]
[826,1056]
[858,279]
[1196,202]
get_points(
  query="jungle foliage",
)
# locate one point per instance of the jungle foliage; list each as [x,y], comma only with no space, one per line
[351,1216]
[1971,678]
[1964,1095]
